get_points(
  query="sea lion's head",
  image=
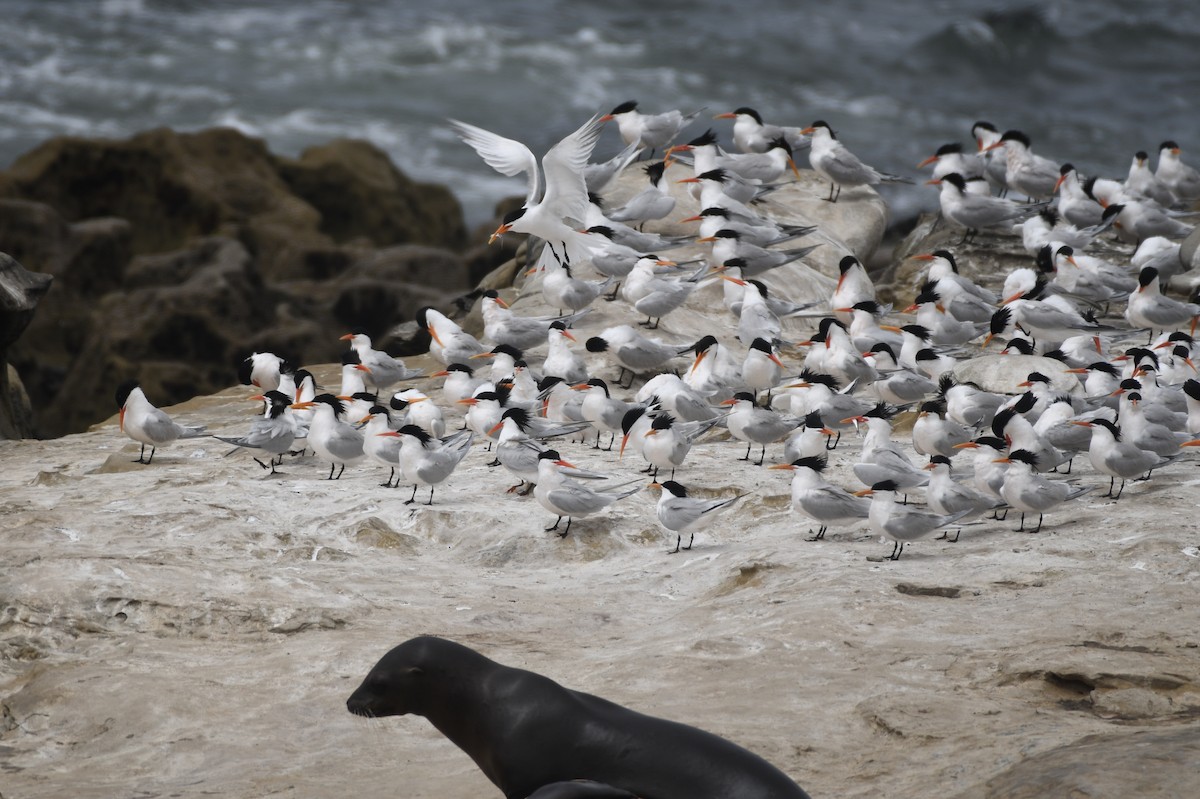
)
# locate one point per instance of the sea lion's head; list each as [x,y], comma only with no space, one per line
[406,679]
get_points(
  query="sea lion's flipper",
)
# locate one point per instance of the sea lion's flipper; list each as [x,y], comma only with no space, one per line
[580,789]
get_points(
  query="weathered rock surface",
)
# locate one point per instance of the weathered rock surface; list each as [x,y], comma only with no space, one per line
[334,239]
[20,292]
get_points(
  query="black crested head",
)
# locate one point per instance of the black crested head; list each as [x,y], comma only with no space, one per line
[704,343]
[886,485]
[745,396]
[1066,169]
[460,367]
[820,123]
[1131,384]
[847,263]
[423,315]
[549,455]
[956,180]
[927,294]
[707,137]
[245,370]
[1147,276]
[303,374]
[949,256]
[735,263]
[718,174]
[881,411]
[1001,420]
[884,347]
[819,378]
[629,419]
[513,215]
[1015,135]
[762,345]
[518,415]
[398,403]
[1024,456]
[1022,346]
[1109,426]
[984,125]
[1103,366]
[662,421]
[870,306]
[1169,144]
[603,230]
[378,409]
[817,463]
[599,383]
[935,406]
[812,420]
[124,390]
[727,233]
[596,200]
[506,349]
[779,142]
[625,107]
[350,358]
[1000,321]
[491,294]
[596,344]
[339,407]
[1049,215]
[945,383]
[826,323]
[715,210]
[655,171]
[762,288]
[558,324]
[675,488]
[548,382]
[920,331]
[750,112]
[363,396]
[951,147]
[1192,388]
[1141,155]
[1037,377]
[939,459]
[1026,403]
[992,442]
[417,433]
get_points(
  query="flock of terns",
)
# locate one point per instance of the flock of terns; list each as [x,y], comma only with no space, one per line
[1122,391]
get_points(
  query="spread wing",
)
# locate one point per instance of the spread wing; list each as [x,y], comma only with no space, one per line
[506,156]
[564,165]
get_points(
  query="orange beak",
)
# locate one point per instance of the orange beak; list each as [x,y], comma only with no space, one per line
[433,334]
[500,231]
[930,160]
[346,337]
[122,419]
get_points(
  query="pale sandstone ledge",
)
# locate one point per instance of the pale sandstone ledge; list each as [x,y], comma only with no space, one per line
[193,628]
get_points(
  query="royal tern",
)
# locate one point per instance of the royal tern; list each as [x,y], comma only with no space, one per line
[726,188]
[1019,433]
[895,384]
[756,320]
[853,286]
[967,403]
[762,369]
[633,352]
[564,291]
[273,433]
[714,373]
[1182,180]
[728,245]
[561,360]
[460,383]
[518,445]
[382,370]
[987,472]
[985,135]
[831,160]
[551,212]
[1149,308]
[681,514]
[384,450]
[603,410]
[901,523]
[504,360]
[1160,253]
[1116,457]
[656,295]
[331,438]
[449,342]
[1029,492]
[671,394]
[947,496]
[976,212]
[1025,172]
[1142,183]
[881,458]
[502,326]
[146,424]
[951,158]
[754,425]
[427,461]
[817,498]
[648,131]
[262,370]
[420,410]
[810,439]
[752,135]
[650,204]
[750,228]
[934,434]
[564,496]
[626,236]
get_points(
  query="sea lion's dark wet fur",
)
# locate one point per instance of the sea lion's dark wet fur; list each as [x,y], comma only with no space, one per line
[531,735]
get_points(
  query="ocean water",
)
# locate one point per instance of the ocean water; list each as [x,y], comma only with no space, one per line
[1090,82]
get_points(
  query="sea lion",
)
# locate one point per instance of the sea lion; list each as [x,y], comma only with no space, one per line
[532,736]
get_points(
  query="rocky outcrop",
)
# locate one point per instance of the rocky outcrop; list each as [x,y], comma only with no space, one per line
[20,292]
[175,255]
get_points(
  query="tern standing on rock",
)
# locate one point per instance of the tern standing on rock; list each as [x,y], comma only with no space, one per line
[831,160]
[146,424]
